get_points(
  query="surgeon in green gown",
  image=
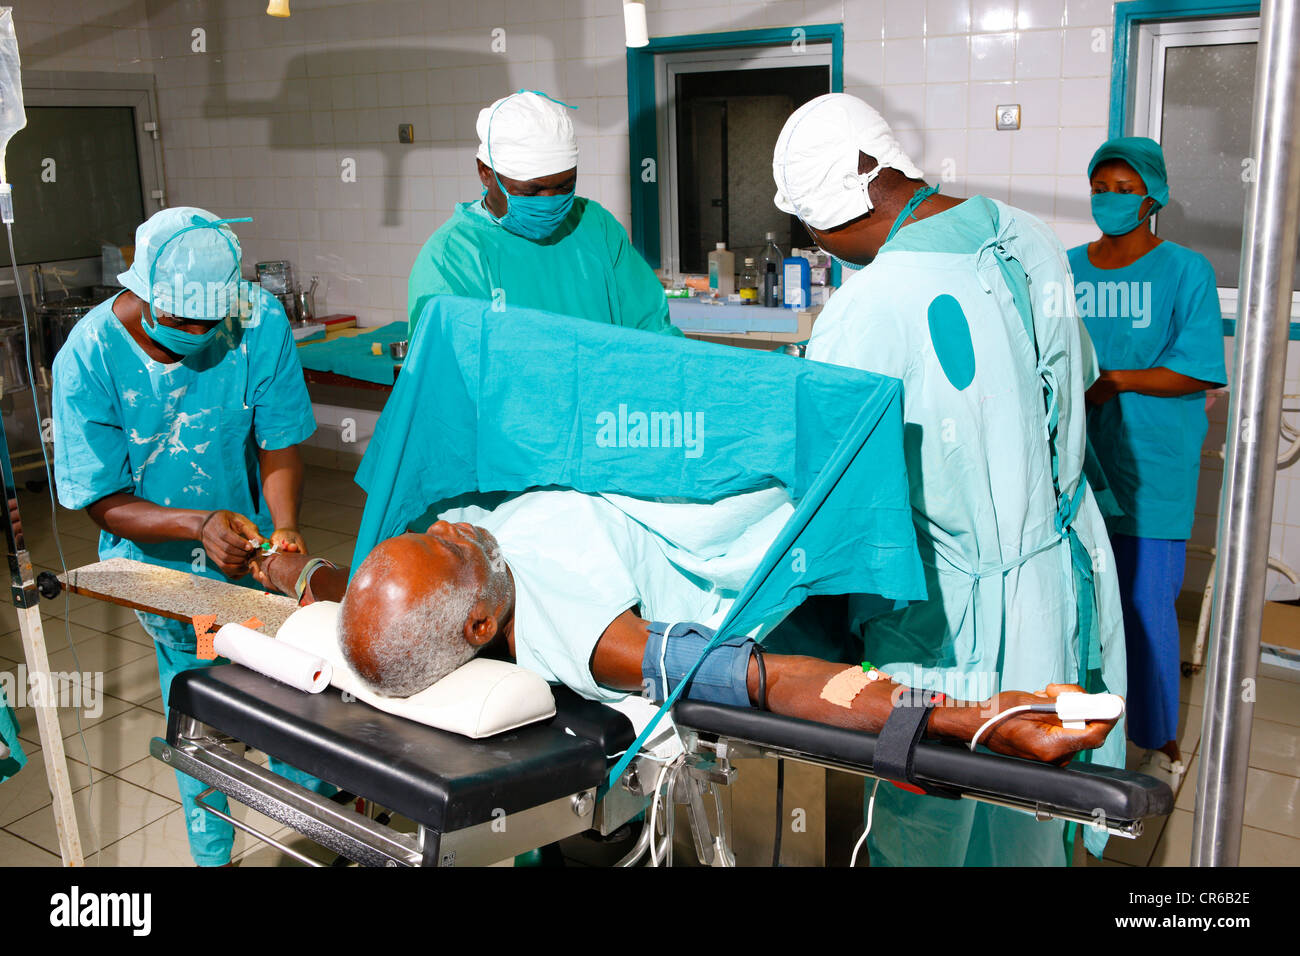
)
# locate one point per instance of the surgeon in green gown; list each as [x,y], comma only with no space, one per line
[531,240]
[970,304]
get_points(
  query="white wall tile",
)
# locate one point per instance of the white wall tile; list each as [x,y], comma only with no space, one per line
[1086,52]
[946,105]
[1033,150]
[904,61]
[1040,14]
[947,59]
[993,56]
[943,17]
[904,18]
[993,16]
[1038,54]
[988,151]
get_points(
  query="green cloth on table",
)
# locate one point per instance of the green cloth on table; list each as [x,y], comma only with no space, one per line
[351,356]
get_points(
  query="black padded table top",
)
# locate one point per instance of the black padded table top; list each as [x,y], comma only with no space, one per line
[1080,788]
[439,779]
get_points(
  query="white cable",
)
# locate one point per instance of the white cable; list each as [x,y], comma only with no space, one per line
[871,808]
[993,720]
[654,811]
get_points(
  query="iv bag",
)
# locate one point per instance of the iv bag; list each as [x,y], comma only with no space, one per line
[12,116]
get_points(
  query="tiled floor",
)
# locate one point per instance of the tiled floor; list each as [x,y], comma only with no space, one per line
[131,814]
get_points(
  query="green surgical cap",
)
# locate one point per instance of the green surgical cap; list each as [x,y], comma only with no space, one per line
[1144,155]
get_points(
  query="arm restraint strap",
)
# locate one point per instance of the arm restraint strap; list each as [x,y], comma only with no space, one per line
[903,730]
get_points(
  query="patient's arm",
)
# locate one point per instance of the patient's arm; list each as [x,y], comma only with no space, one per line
[794,686]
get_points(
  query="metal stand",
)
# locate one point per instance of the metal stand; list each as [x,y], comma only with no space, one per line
[1268,262]
[44,693]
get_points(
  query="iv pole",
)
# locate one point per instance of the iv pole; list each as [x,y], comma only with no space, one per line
[1250,471]
[43,692]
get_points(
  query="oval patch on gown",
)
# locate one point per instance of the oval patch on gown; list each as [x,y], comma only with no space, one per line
[950,336]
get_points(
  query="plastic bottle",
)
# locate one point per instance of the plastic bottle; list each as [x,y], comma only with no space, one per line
[722,272]
[771,256]
[749,284]
[795,280]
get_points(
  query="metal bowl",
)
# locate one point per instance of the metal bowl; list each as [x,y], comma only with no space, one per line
[398,349]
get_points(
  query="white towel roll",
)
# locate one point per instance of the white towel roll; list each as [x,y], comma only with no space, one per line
[275,659]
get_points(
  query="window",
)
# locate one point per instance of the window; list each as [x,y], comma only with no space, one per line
[1194,92]
[682,87]
[721,119]
[76,179]
[86,169]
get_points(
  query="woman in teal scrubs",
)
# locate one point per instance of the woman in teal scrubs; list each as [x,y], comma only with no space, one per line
[1152,310]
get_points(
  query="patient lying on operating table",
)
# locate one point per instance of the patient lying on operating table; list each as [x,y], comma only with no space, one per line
[512,578]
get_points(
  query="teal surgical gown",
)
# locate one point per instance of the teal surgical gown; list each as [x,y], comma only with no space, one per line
[1018,566]
[16,758]
[588,269]
[183,435]
[1160,311]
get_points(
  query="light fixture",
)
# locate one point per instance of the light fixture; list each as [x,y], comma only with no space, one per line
[278,8]
[634,25]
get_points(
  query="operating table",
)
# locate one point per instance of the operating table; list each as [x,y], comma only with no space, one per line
[476,802]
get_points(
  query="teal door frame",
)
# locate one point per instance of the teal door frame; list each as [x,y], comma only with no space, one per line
[643,128]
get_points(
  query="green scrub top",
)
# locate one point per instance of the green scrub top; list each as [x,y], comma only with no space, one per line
[588,269]
[1160,311]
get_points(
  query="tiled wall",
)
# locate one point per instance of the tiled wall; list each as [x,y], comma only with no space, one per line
[263,119]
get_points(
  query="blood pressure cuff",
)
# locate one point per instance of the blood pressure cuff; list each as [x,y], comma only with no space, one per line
[673,649]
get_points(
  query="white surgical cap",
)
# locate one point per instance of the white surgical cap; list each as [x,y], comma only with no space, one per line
[195,271]
[532,136]
[815,163]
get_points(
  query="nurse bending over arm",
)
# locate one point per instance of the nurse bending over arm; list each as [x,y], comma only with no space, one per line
[422,605]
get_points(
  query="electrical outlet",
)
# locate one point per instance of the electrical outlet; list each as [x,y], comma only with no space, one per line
[406,132]
[1007,116]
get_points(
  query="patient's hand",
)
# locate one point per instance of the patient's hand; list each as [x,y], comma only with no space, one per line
[1040,736]
[288,539]
[279,572]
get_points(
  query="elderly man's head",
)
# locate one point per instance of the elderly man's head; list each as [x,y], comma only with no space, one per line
[422,605]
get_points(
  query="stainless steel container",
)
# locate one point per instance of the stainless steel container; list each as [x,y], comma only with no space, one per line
[13,358]
[276,277]
[54,323]
[398,349]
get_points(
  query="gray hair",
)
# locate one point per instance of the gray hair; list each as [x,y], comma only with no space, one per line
[424,644]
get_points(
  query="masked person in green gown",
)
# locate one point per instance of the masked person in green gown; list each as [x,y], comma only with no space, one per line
[962,300]
[531,240]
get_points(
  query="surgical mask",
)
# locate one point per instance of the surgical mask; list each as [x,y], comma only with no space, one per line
[1117,214]
[175,340]
[534,217]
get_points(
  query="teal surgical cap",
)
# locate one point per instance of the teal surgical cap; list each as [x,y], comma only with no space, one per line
[1144,155]
[186,264]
